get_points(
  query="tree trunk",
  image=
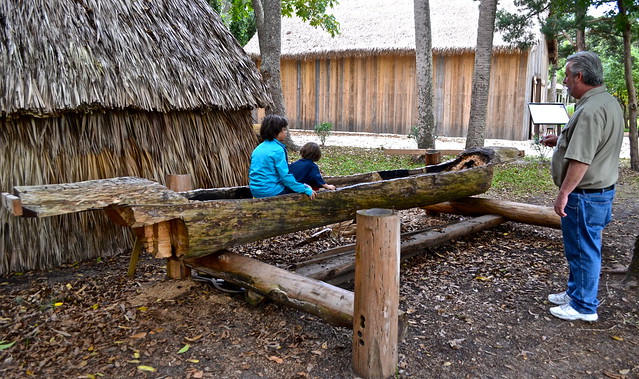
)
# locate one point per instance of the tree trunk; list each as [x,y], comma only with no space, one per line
[630,85]
[481,75]
[268,20]
[633,269]
[580,15]
[425,128]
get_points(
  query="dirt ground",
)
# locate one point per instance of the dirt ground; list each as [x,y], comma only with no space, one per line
[477,308]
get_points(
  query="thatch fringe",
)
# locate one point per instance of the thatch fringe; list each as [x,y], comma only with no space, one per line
[213,147]
[355,53]
[382,27]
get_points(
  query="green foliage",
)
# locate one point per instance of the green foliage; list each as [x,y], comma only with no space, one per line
[313,12]
[4,345]
[523,180]
[542,151]
[339,160]
[422,137]
[323,130]
[243,29]
[239,17]
[414,132]
[515,28]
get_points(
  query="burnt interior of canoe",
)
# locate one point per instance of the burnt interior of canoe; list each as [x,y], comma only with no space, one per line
[466,160]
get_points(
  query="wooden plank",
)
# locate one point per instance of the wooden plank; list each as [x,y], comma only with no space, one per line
[57,199]
[12,204]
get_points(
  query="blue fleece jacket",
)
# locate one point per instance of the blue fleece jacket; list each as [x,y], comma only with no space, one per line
[306,171]
[269,174]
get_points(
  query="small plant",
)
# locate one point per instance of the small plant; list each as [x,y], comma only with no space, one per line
[414,132]
[323,130]
[541,150]
[420,136]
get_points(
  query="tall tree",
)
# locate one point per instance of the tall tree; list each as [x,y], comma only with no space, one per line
[425,130]
[623,23]
[481,75]
[268,19]
[268,22]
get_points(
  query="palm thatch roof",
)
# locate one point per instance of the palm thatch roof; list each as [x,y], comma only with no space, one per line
[62,55]
[379,27]
[93,89]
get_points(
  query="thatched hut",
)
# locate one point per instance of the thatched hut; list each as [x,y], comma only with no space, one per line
[363,80]
[96,89]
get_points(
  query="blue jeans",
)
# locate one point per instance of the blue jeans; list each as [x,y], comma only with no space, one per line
[587,216]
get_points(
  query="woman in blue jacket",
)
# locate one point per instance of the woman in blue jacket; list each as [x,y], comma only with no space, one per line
[269,174]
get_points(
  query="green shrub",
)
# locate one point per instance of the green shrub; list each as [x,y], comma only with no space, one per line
[542,151]
[323,130]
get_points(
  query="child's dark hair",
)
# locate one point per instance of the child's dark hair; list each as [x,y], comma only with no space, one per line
[272,125]
[311,151]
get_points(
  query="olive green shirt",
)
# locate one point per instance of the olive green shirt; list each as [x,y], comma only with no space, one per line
[593,135]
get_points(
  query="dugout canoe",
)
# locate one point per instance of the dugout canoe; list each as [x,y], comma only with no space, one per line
[196,223]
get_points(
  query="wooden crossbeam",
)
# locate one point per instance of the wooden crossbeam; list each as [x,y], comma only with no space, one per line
[12,204]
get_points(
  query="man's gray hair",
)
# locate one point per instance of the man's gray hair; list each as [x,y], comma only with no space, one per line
[589,65]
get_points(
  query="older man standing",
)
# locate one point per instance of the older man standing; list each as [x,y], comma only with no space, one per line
[585,166]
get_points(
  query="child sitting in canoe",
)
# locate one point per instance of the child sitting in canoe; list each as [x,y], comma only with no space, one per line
[306,171]
[269,174]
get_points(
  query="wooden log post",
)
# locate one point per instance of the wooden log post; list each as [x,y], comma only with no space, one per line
[175,267]
[432,157]
[376,301]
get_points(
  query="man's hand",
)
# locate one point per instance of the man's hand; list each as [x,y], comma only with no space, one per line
[560,204]
[550,140]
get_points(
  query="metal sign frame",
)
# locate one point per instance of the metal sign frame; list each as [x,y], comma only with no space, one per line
[548,113]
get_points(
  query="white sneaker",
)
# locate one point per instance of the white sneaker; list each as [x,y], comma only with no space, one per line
[559,298]
[566,312]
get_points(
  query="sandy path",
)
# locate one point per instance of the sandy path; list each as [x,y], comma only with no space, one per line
[395,141]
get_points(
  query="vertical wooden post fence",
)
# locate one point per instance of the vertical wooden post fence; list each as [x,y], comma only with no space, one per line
[376,303]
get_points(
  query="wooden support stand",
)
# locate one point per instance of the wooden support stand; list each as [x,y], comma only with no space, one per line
[520,212]
[175,268]
[376,302]
[333,304]
[135,255]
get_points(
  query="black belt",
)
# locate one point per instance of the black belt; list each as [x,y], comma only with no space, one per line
[598,190]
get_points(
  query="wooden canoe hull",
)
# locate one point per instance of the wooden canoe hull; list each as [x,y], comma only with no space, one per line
[220,224]
[189,225]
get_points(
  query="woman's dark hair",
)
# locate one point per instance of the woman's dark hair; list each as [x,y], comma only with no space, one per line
[311,151]
[272,125]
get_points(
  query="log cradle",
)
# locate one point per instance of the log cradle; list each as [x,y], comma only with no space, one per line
[197,223]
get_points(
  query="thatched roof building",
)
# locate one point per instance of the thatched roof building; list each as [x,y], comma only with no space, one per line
[94,89]
[363,80]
